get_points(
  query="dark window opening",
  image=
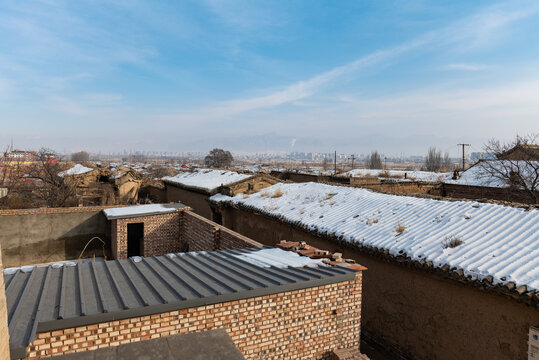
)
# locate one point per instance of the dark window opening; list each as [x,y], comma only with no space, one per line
[103,178]
[135,239]
[217,217]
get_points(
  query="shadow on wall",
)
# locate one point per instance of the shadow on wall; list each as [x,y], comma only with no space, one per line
[38,238]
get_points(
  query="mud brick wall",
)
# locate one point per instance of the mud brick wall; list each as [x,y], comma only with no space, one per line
[300,324]
[403,306]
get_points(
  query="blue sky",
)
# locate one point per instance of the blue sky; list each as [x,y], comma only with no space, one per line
[397,76]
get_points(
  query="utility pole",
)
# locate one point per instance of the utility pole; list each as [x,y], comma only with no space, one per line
[353,157]
[463,155]
[335,171]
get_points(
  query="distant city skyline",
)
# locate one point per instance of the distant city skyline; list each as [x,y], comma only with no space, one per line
[279,76]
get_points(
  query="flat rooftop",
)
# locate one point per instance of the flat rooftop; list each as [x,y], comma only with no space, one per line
[213,344]
[126,212]
[67,295]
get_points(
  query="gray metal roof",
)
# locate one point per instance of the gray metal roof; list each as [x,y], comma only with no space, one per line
[51,298]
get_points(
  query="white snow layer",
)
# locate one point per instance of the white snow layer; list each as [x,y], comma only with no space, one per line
[497,240]
[78,169]
[481,173]
[279,258]
[138,210]
[398,175]
[207,179]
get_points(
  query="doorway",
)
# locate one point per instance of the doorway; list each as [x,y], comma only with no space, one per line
[135,239]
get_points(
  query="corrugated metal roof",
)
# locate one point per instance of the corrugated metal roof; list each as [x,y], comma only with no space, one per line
[489,239]
[56,297]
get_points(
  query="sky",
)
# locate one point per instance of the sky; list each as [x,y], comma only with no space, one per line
[259,76]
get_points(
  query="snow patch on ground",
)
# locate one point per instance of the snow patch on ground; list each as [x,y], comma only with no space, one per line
[497,240]
[398,175]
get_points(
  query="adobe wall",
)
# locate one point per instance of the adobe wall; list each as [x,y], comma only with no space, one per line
[394,187]
[425,315]
[197,201]
[479,192]
[300,324]
[30,236]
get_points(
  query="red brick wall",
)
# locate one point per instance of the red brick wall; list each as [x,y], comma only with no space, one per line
[202,234]
[161,234]
[300,324]
[166,233]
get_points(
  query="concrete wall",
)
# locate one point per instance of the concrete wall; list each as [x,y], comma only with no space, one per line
[420,315]
[197,201]
[43,235]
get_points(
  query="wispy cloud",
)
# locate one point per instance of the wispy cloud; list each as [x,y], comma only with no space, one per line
[473,31]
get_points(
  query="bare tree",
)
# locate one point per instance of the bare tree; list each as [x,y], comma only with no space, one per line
[518,173]
[374,161]
[325,164]
[218,158]
[435,161]
[80,156]
[53,189]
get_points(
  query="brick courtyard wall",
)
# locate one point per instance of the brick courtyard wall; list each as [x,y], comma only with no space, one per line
[161,234]
[167,233]
[300,324]
[202,234]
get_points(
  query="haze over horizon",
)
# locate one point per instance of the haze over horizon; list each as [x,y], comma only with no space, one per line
[257,76]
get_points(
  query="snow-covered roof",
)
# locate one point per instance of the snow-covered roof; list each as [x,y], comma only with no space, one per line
[141,210]
[279,258]
[481,174]
[207,179]
[78,169]
[497,240]
[426,176]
